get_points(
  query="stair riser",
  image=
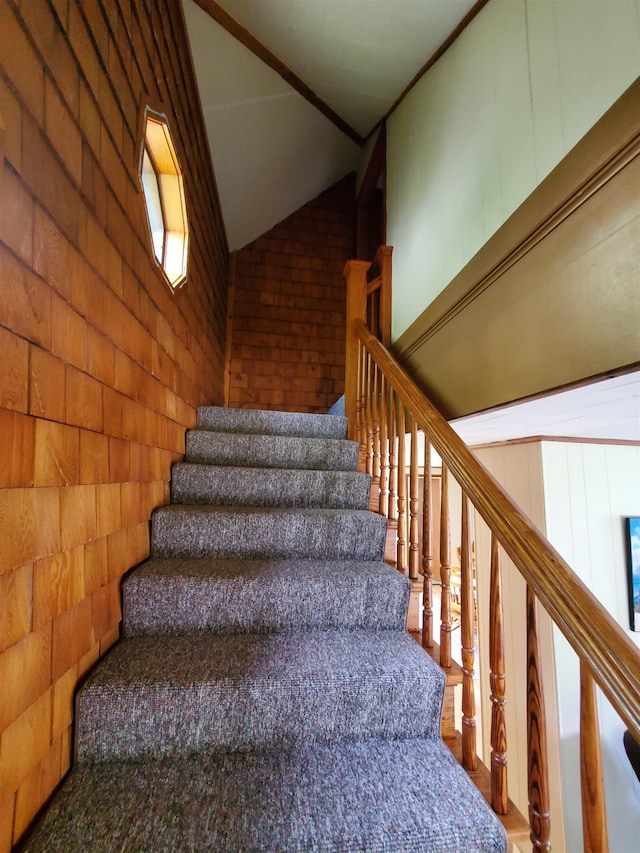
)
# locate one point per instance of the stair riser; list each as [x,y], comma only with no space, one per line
[187,695]
[222,486]
[328,535]
[278,599]
[259,422]
[370,797]
[276,716]
[266,451]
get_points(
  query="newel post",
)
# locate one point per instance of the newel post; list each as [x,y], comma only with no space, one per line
[355,274]
[383,260]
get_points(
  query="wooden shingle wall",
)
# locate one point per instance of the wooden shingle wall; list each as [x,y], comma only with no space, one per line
[102,366]
[288,327]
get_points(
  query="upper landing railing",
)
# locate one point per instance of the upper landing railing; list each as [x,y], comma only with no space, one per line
[384,406]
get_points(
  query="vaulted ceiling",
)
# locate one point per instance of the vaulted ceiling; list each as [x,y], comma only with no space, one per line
[291,89]
[280,137]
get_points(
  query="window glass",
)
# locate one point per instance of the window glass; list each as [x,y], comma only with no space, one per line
[154,206]
[163,190]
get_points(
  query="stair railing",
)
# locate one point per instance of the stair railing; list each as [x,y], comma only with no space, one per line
[384,406]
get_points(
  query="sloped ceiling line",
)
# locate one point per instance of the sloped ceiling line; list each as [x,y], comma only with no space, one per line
[256,47]
[446,44]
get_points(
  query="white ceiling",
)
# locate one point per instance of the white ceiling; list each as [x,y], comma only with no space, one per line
[271,150]
[608,409]
[357,55]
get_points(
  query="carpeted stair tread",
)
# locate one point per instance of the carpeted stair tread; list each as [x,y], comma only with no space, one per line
[161,696]
[270,451]
[406,796]
[265,695]
[262,532]
[231,486]
[177,595]
[261,422]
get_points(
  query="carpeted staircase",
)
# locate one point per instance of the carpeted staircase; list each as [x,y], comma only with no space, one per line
[265,695]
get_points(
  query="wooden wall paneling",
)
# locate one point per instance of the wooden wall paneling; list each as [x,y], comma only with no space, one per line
[289,312]
[104,365]
[552,298]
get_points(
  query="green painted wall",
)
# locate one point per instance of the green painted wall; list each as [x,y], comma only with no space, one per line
[513,95]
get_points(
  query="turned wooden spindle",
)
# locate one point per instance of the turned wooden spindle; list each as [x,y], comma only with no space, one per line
[499,789]
[467,636]
[360,431]
[362,404]
[538,773]
[393,457]
[427,557]
[383,506]
[414,495]
[401,545]
[368,382]
[445,573]
[594,813]
[375,423]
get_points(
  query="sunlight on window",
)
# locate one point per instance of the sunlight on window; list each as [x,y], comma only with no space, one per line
[163,189]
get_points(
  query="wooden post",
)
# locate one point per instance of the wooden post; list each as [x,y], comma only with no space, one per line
[427,557]
[375,415]
[368,414]
[414,491]
[538,774]
[499,790]
[445,573]
[467,635]
[401,549]
[594,813]
[355,273]
[360,398]
[383,259]
[393,457]
[383,506]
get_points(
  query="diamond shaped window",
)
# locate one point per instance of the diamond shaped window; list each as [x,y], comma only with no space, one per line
[162,185]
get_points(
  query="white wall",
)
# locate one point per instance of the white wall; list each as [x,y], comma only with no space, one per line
[501,108]
[589,489]
[577,495]
[518,468]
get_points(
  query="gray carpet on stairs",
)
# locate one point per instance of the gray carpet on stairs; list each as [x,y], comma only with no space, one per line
[402,796]
[259,533]
[178,595]
[226,486]
[265,695]
[271,451]
[261,422]
[166,695]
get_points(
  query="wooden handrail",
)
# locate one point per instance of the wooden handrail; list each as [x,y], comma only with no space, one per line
[608,654]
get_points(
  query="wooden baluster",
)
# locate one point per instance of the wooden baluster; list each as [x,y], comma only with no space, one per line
[538,774]
[375,424]
[594,813]
[368,414]
[401,546]
[499,790]
[427,558]
[383,507]
[467,636]
[393,458]
[414,491]
[360,398]
[445,573]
